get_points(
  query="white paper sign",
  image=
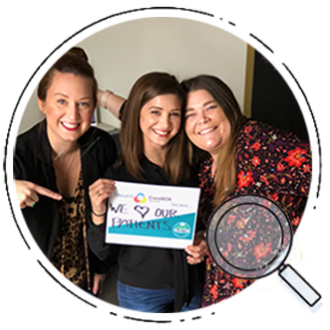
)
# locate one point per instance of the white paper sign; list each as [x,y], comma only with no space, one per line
[152,215]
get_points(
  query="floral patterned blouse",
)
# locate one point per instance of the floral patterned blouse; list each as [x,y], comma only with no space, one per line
[270,163]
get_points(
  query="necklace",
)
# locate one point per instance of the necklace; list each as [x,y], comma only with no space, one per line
[64,173]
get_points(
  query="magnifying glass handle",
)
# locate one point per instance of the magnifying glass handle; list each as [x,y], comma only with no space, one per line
[299,285]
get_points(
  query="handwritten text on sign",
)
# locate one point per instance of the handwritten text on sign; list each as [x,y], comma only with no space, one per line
[152,215]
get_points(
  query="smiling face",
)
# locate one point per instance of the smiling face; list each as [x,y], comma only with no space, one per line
[160,120]
[68,107]
[206,124]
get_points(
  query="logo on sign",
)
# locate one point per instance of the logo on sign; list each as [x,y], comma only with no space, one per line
[181,229]
[140,198]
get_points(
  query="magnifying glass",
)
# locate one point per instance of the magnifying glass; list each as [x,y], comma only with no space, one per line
[250,237]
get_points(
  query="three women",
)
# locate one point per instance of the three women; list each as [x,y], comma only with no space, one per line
[243,157]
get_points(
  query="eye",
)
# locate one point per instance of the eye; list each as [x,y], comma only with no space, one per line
[61,101]
[84,105]
[212,107]
[155,112]
[189,115]
[176,114]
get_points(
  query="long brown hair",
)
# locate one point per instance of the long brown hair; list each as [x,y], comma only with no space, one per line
[225,177]
[131,139]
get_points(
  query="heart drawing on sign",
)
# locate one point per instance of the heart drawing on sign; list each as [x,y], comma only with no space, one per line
[143,210]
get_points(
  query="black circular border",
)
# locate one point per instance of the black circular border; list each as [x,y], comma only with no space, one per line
[105,20]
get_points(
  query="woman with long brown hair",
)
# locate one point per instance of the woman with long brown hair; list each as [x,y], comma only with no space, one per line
[154,151]
[244,157]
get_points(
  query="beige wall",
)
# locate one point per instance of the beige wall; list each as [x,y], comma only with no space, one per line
[122,53]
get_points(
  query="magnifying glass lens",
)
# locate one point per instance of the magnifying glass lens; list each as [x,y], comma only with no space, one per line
[249,237]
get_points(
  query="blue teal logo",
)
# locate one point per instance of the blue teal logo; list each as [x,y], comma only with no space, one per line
[181,229]
[140,198]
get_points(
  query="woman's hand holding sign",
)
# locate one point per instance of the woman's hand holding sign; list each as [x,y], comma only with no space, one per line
[197,252]
[99,192]
[27,193]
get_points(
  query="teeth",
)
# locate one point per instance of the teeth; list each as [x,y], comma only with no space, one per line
[161,132]
[68,125]
[205,131]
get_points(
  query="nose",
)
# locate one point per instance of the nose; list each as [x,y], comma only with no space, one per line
[203,118]
[165,121]
[73,111]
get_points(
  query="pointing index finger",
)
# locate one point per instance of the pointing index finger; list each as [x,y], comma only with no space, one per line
[47,192]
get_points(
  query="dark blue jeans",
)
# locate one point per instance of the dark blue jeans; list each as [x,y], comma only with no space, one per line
[152,301]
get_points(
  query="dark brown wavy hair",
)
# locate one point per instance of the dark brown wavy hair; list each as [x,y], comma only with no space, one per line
[131,139]
[225,178]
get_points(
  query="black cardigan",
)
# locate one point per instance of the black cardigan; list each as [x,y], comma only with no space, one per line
[132,261]
[33,162]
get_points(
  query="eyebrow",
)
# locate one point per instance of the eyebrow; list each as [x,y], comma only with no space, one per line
[62,94]
[160,108]
[204,104]
[65,95]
